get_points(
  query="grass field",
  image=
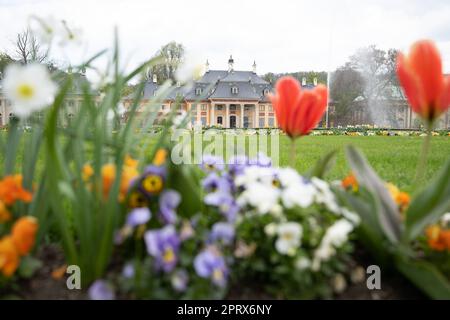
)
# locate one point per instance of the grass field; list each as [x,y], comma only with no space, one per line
[394,158]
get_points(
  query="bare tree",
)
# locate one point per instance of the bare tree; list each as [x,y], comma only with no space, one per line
[27,48]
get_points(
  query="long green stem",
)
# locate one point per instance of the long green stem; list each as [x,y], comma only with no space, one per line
[422,164]
[293,154]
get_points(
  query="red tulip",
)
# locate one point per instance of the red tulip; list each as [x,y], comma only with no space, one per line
[298,111]
[420,74]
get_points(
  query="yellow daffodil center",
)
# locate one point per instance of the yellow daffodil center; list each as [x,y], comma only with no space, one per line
[25,91]
[152,184]
[169,255]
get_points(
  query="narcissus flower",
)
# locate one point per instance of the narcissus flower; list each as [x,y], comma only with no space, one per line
[9,257]
[29,87]
[420,74]
[23,234]
[298,111]
[11,190]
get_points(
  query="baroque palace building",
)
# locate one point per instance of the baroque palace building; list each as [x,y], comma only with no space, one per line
[222,98]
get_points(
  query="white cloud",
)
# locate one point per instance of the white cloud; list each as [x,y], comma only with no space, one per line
[280,35]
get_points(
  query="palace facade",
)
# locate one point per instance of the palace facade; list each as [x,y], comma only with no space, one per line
[221,98]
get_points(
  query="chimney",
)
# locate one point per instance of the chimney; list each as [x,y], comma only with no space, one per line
[254,66]
[315,81]
[304,81]
[207,66]
[155,78]
[230,63]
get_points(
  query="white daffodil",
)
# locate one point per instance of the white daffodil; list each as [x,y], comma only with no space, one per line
[70,35]
[289,238]
[190,69]
[29,88]
[45,29]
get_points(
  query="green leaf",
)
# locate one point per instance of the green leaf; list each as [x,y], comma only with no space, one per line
[430,204]
[426,277]
[387,212]
[28,266]
[324,165]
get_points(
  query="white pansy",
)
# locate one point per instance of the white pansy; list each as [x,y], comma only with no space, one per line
[270,229]
[334,237]
[277,211]
[350,216]
[324,195]
[255,174]
[29,88]
[298,194]
[302,263]
[288,176]
[262,197]
[289,238]
[190,69]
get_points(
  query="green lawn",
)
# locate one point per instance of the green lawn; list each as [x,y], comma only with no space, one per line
[394,158]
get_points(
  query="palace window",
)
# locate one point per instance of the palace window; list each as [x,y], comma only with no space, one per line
[262,108]
[193,107]
[198,91]
[219,108]
[163,107]
[266,92]
[262,122]
[219,120]
[234,90]
[203,121]
[271,122]
[194,120]
[232,108]
[270,108]
[203,107]
[71,103]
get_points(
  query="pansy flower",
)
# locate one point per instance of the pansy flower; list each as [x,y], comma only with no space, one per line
[152,181]
[212,163]
[168,202]
[210,264]
[163,245]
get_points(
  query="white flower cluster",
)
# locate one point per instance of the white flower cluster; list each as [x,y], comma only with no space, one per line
[50,29]
[268,190]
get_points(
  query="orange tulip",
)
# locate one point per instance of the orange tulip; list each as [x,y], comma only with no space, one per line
[9,258]
[24,234]
[298,111]
[11,190]
[425,86]
[5,215]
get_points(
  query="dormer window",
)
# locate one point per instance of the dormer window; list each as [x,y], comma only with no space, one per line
[266,92]
[234,90]
[198,91]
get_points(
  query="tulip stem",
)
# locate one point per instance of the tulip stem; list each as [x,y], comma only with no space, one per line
[293,153]
[422,164]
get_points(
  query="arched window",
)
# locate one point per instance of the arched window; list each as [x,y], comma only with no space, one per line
[234,90]
[266,92]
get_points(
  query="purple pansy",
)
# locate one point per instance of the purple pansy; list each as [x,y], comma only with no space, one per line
[237,164]
[212,163]
[152,181]
[261,160]
[128,271]
[101,290]
[222,231]
[168,202]
[163,245]
[210,264]
[138,216]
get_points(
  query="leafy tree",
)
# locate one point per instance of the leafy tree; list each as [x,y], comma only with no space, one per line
[172,54]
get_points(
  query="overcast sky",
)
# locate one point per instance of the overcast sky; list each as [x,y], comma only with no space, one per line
[280,35]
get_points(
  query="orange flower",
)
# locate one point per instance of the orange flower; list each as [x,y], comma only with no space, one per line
[438,239]
[402,199]
[425,86]
[298,111]
[11,190]
[88,172]
[128,174]
[5,215]
[23,234]
[130,162]
[350,182]
[9,258]
[160,157]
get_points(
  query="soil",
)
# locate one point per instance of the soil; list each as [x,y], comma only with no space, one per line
[44,287]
